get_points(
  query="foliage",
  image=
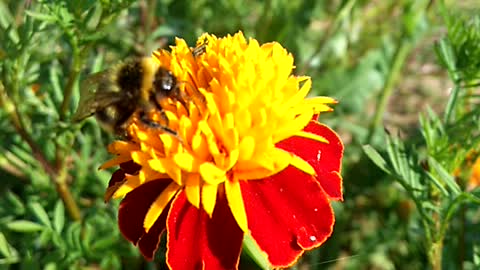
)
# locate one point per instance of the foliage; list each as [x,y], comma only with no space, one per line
[412,208]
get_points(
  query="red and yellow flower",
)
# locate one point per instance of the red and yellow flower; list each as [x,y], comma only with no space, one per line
[248,157]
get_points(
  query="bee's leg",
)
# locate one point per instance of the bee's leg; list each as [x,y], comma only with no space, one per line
[154,99]
[194,96]
[200,48]
[163,115]
[149,123]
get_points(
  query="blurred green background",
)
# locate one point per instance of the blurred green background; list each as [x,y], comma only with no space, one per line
[385,61]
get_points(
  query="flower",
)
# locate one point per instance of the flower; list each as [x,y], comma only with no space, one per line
[247,157]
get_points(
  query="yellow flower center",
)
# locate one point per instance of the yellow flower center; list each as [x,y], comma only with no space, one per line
[238,100]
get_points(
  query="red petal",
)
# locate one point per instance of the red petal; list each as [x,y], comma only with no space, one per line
[325,158]
[117,177]
[149,242]
[132,212]
[129,167]
[287,213]
[194,241]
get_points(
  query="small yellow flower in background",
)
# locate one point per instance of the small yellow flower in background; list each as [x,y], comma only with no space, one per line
[474,180]
[247,157]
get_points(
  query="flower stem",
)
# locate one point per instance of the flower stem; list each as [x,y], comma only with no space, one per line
[399,59]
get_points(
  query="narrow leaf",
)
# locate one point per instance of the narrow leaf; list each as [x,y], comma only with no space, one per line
[24,226]
[59,217]
[41,214]
[445,176]
[40,16]
[437,183]
[445,54]
[376,158]
[5,248]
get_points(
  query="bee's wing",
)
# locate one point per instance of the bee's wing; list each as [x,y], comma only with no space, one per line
[97,92]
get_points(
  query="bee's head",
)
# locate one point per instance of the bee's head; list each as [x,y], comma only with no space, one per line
[164,82]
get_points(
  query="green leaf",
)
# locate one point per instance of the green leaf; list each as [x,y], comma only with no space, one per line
[55,82]
[40,213]
[41,16]
[73,236]
[430,206]
[255,253]
[476,255]
[6,17]
[50,266]
[103,243]
[445,54]
[437,183]
[24,226]
[59,217]
[392,149]
[6,250]
[45,237]
[14,203]
[112,261]
[376,158]
[445,176]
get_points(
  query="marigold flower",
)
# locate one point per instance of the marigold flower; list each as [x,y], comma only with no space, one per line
[249,158]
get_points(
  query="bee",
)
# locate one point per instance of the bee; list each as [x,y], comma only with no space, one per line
[135,86]
[114,95]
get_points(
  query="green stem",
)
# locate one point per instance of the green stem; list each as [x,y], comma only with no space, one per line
[75,69]
[399,59]
[435,255]
[436,245]
[461,237]
[72,78]
[60,150]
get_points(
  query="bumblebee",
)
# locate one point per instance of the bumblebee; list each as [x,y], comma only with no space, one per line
[135,86]
[114,95]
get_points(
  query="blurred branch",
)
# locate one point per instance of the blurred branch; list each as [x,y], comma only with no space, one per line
[399,59]
[334,26]
[15,117]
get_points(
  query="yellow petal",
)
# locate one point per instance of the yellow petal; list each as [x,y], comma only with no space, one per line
[235,202]
[132,182]
[114,162]
[311,136]
[157,165]
[302,165]
[246,148]
[111,190]
[192,189]
[186,162]
[274,159]
[159,205]
[209,198]
[302,93]
[211,174]
[119,147]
